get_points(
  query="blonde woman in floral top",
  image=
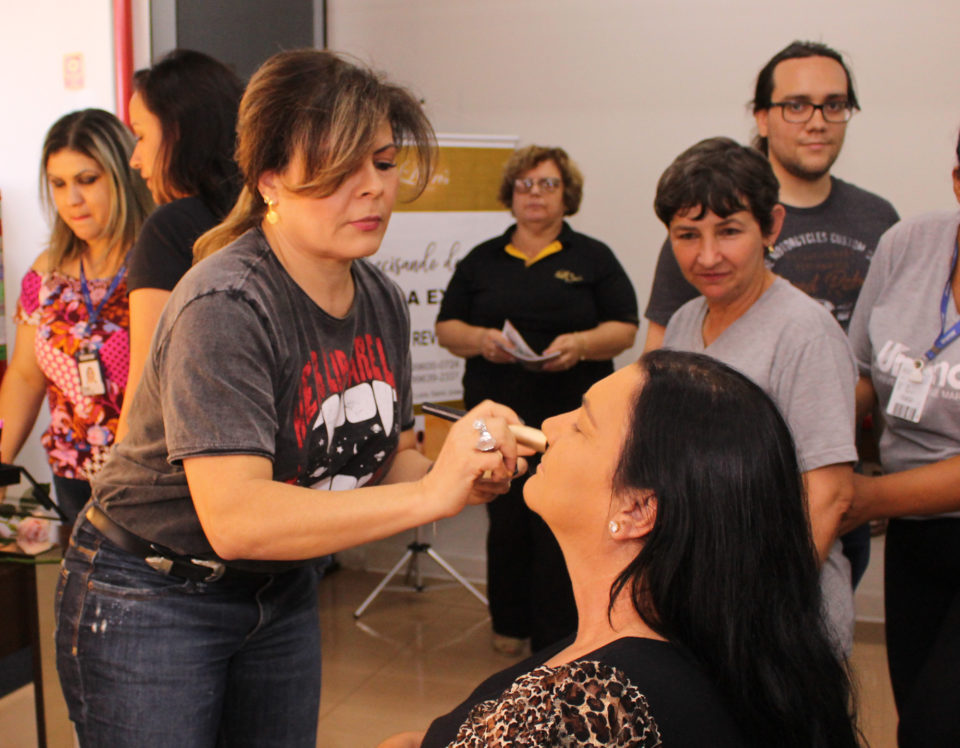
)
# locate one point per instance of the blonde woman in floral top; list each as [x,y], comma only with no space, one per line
[72,317]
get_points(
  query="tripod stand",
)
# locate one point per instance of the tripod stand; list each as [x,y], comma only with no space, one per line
[412,558]
[10,475]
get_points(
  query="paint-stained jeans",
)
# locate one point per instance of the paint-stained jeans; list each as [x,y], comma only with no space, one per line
[147,660]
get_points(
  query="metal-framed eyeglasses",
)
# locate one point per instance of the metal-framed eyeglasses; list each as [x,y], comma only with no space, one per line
[546,184]
[800,112]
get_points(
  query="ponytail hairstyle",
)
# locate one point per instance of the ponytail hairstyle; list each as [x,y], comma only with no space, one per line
[317,105]
[98,135]
[195,98]
[729,571]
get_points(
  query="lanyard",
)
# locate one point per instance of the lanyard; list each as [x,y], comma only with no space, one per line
[93,314]
[945,338]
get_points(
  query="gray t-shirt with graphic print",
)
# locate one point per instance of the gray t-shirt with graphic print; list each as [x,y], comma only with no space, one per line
[244,362]
[898,318]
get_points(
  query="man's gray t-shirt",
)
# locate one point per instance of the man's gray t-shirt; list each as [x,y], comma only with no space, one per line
[897,319]
[790,346]
[824,250]
[244,362]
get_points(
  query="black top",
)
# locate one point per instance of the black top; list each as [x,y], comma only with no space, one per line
[163,251]
[649,689]
[574,289]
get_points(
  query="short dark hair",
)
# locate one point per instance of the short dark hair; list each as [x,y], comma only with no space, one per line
[525,159]
[795,50]
[195,97]
[728,572]
[722,176]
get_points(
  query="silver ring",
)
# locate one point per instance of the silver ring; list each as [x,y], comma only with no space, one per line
[486,442]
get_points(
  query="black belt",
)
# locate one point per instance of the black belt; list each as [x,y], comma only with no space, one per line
[157,557]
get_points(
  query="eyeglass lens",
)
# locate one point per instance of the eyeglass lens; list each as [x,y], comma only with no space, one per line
[546,184]
[802,111]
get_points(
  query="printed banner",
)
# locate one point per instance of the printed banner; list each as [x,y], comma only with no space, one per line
[428,237]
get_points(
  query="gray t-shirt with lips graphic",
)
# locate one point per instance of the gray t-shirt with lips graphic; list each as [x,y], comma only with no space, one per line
[898,318]
[244,362]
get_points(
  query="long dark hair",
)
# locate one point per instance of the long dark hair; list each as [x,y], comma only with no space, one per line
[195,97]
[729,570]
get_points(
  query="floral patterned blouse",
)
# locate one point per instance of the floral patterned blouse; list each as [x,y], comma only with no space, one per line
[82,428]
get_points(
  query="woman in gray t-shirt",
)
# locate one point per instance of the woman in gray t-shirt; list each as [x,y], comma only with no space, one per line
[719,202]
[273,424]
[902,333]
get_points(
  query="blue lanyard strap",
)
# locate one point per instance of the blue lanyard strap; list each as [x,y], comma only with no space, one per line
[946,337]
[93,314]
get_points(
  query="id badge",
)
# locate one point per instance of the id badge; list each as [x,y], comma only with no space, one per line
[910,391]
[91,374]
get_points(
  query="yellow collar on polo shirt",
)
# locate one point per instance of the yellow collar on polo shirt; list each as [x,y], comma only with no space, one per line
[551,249]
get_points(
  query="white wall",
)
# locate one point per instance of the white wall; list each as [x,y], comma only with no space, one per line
[625,85]
[34,37]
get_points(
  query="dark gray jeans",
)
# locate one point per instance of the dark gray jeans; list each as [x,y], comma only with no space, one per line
[152,660]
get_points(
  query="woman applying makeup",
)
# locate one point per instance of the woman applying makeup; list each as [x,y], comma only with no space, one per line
[273,425]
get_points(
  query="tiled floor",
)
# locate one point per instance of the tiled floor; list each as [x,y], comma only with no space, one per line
[413,656]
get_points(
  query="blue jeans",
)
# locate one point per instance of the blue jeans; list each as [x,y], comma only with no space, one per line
[152,660]
[72,494]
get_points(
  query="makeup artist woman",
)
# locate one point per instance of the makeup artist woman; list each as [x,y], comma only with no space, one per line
[566,294]
[280,368]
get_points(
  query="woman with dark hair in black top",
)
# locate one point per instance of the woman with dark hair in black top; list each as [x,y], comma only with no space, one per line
[184,114]
[685,531]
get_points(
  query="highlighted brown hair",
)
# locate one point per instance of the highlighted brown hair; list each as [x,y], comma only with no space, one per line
[317,105]
[99,135]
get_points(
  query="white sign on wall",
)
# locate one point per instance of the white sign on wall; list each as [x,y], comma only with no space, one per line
[428,237]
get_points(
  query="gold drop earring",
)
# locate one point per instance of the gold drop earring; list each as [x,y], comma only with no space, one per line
[272,216]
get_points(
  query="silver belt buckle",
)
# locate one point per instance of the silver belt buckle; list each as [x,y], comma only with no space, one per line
[217,568]
[159,563]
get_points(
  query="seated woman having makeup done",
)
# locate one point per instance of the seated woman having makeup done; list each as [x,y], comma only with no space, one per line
[694,572]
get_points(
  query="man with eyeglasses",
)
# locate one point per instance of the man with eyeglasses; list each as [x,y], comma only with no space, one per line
[804,98]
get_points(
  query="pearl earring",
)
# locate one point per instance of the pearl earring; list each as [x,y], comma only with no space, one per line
[614,527]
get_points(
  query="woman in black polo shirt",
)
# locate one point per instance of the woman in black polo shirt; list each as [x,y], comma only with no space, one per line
[569,298]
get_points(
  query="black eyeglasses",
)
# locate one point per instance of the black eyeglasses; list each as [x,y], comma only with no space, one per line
[546,184]
[799,112]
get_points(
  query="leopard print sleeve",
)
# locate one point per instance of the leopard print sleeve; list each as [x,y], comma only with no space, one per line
[577,704]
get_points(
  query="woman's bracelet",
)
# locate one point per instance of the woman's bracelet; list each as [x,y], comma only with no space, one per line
[583,346]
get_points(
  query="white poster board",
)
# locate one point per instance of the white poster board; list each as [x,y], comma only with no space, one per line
[428,237]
